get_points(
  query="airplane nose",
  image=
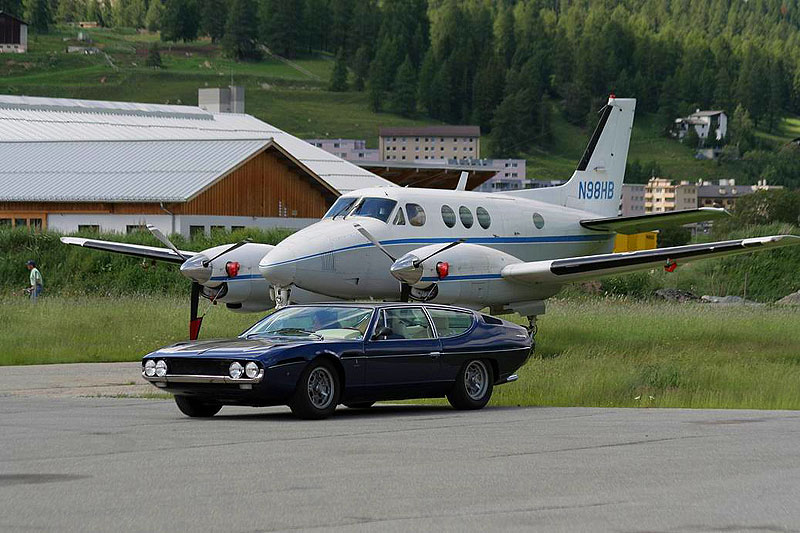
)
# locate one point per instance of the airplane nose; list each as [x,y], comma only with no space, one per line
[194,269]
[278,270]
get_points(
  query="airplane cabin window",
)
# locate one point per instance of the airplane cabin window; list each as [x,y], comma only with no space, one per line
[340,207]
[448,216]
[416,215]
[466,216]
[399,218]
[379,208]
[483,218]
[538,221]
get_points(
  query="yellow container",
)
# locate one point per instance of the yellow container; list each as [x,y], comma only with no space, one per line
[637,241]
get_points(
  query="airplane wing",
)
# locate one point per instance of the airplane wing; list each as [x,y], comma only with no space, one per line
[594,266]
[137,250]
[641,223]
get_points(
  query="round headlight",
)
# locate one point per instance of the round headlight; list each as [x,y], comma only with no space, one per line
[150,368]
[251,370]
[161,368]
[235,370]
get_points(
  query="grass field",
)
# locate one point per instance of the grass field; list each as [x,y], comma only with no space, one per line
[590,352]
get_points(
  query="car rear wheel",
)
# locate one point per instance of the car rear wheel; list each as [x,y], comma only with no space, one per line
[317,392]
[359,405]
[197,408]
[473,387]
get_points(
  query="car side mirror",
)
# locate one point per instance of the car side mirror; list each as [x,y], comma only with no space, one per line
[382,332]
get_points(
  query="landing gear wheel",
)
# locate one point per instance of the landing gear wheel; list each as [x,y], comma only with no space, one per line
[317,392]
[473,387]
[359,405]
[197,408]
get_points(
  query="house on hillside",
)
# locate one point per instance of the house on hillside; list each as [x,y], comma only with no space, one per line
[704,124]
[72,165]
[13,34]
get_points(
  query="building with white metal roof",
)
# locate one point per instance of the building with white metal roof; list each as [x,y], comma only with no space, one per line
[62,160]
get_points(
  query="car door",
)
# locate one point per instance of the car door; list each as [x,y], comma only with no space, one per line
[408,356]
[453,328]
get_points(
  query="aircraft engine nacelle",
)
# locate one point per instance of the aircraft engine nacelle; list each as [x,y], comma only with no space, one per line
[424,267]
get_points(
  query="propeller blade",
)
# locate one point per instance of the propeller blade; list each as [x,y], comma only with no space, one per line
[363,231]
[195,321]
[420,261]
[227,250]
[163,238]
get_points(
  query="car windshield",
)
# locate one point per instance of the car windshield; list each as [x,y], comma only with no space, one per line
[314,322]
[340,207]
[379,208]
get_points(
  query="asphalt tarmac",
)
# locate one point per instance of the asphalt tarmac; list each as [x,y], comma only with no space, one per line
[73,463]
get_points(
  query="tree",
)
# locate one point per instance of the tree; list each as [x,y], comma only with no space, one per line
[742,130]
[13,7]
[70,11]
[278,23]
[361,68]
[339,77]
[181,20]
[155,12]
[93,11]
[154,56]
[213,17]
[404,98]
[37,14]
[241,30]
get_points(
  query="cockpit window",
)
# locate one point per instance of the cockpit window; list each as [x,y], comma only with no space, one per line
[416,215]
[399,218]
[340,207]
[379,208]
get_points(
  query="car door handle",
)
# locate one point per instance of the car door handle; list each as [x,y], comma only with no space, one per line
[435,354]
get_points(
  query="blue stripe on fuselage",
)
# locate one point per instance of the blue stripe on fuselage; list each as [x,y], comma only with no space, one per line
[474,240]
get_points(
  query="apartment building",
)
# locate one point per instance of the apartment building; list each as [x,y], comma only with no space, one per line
[632,203]
[429,143]
[661,196]
[353,150]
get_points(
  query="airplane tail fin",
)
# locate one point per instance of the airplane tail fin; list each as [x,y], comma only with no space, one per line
[596,185]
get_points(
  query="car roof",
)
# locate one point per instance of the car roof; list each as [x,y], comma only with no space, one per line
[379,305]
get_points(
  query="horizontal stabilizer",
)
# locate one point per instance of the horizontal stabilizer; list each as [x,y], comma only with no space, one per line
[594,266]
[137,250]
[642,223]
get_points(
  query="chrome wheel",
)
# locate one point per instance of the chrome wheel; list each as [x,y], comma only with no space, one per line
[476,379]
[321,387]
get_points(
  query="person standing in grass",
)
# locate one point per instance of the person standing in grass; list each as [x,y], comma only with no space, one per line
[36,281]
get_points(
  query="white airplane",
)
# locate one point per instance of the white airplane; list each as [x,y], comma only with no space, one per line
[507,251]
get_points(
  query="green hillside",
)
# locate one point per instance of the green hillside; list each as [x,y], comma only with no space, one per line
[293,96]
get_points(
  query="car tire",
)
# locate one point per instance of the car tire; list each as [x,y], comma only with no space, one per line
[359,405]
[474,385]
[197,408]
[317,393]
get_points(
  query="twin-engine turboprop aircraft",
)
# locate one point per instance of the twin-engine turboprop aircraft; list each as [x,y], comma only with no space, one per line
[507,251]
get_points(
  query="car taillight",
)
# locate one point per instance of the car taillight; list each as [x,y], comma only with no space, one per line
[232,268]
[442,269]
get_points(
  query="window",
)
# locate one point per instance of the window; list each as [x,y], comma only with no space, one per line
[88,228]
[237,228]
[194,231]
[21,222]
[448,216]
[406,323]
[450,323]
[5,222]
[538,221]
[466,216]
[336,145]
[416,215]
[341,207]
[36,224]
[483,218]
[217,229]
[379,208]
[399,218]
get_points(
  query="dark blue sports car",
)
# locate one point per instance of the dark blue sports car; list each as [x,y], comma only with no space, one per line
[314,357]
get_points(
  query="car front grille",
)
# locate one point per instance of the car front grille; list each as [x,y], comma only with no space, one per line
[197,367]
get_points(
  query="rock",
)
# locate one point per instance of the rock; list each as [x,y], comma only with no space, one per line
[727,300]
[676,295]
[790,299]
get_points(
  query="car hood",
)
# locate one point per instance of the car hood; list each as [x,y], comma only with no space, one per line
[226,347]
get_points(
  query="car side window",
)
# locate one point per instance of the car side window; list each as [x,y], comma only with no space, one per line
[416,215]
[450,323]
[406,323]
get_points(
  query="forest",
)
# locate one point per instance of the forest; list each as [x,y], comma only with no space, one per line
[507,65]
